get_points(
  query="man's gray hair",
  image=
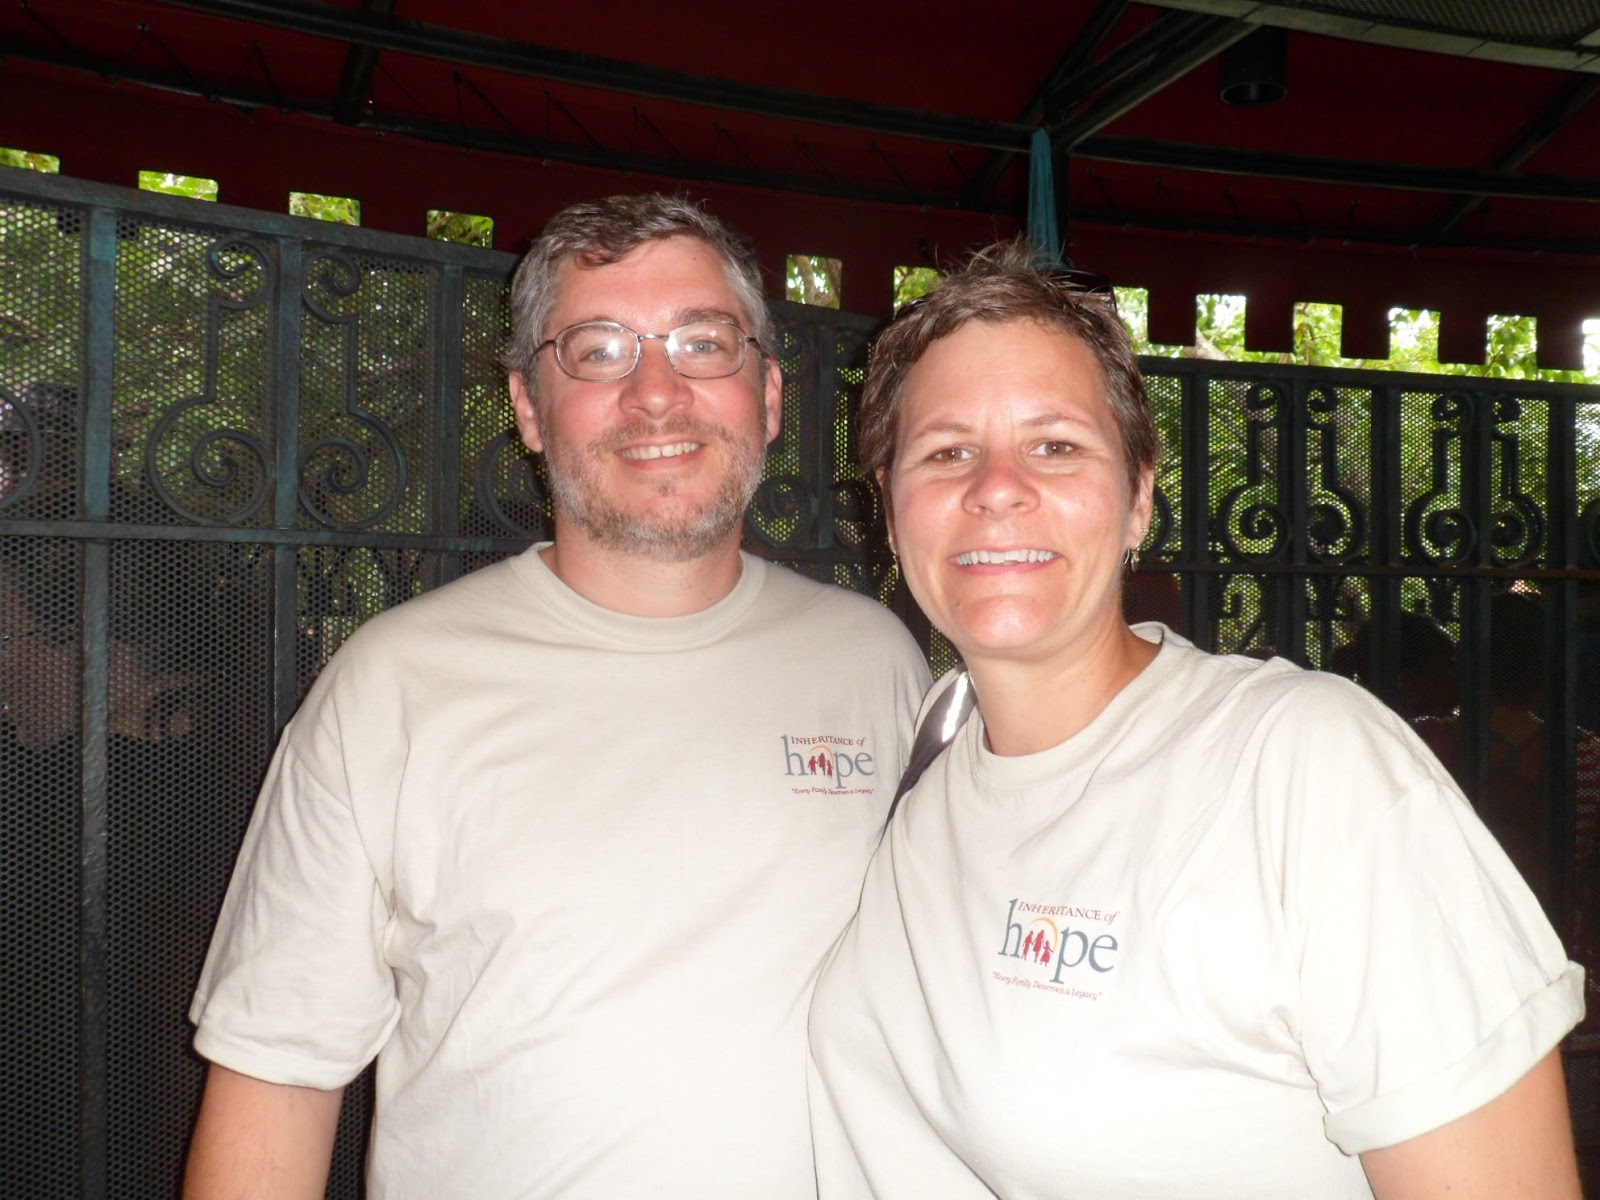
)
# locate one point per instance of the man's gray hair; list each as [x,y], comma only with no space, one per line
[598,232]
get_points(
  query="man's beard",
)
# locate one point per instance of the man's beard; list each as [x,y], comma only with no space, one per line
[678,534]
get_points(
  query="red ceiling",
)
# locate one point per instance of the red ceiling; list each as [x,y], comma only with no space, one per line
[1176,231]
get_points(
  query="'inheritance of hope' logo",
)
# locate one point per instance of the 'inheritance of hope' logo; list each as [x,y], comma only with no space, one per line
[836,763]
[1054,935]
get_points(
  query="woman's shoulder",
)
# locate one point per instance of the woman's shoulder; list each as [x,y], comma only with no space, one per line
[1314,718]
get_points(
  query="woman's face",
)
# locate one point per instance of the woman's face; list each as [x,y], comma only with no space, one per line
[1009,498]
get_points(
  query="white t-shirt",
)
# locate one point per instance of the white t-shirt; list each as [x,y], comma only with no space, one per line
[1238,930]
[570,876]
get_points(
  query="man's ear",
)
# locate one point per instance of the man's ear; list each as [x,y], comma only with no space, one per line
[772,398]
[527,413]
[881,474]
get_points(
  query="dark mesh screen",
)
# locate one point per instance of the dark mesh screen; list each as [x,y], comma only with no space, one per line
[188,729]
[225,447]
[39,884]
[1555,23]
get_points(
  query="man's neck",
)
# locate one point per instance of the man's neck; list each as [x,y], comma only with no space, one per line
[638,585]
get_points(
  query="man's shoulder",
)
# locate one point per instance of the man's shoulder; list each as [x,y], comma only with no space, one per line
[801,597]
[475,604]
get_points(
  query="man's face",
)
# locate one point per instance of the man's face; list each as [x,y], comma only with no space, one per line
[652,464]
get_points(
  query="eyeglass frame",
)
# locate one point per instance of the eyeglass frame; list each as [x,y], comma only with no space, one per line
[746,340]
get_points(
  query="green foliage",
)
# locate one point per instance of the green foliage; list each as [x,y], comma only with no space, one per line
[464,228]
[46,164]
[192,186]
[339,209]
[809,279]
[913,283]
[1511,350]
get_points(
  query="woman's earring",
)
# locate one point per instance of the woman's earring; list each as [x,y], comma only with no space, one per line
[1131,558]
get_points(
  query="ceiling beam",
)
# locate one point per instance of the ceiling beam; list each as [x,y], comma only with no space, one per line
[1169,31]
[355,80]
[1254,231]
[1132,151]
[1582,56]
[1083,48]
[1211,39]
[1571,101]
[511,142]
[1403,177]
[540,62]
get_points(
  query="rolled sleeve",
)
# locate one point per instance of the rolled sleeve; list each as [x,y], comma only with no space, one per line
[295,989]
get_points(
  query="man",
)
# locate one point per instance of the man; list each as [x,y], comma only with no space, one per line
[565,842]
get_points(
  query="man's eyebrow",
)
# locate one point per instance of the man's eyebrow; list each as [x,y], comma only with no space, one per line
[685,315]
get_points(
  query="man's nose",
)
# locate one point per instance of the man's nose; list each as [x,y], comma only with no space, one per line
[654,387]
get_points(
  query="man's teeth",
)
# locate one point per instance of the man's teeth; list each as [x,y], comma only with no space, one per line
[976,558]
[672,451]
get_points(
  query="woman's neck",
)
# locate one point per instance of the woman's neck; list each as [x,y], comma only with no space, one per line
[1029,706]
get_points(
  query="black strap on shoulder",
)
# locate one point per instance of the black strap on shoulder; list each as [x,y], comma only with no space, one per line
[946,716]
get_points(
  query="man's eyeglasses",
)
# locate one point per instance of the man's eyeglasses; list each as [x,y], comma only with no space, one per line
[603,351]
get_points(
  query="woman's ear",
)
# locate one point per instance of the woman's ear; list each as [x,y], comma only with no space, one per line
[1143,507]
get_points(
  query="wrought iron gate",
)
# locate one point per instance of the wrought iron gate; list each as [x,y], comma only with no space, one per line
[227,438]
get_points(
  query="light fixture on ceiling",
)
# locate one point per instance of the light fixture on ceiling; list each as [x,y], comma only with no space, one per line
[1255,70]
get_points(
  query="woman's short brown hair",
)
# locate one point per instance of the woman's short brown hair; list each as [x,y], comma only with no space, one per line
[998,285]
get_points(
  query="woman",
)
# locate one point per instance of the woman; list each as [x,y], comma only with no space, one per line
[1157,923]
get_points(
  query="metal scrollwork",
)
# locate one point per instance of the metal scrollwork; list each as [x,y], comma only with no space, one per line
[510,490]
[1252,511]
[855,510]
[337,467]
[1517,527]
[1336,522]
[1163,525]
[230,461]
[1437,530]
[783,514]
[23,449]
[1589,532]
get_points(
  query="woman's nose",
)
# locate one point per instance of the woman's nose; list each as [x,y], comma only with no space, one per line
[1000,485]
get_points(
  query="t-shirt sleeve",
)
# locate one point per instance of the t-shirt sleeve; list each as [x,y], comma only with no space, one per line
[1430,979]
[295,989]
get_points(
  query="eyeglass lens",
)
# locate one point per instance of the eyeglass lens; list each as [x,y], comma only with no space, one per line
[605,350]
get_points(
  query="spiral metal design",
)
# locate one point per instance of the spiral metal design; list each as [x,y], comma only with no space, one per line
[1517,525]
[24,449]
[783,501]
[225,459]
[1163,526]
[521,509]
[1589,533]
[1252,511]
[1438,527]
[337,465]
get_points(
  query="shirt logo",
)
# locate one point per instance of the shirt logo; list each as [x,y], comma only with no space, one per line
[1062,948]
[830,764]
